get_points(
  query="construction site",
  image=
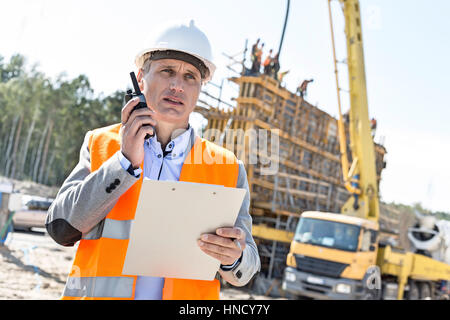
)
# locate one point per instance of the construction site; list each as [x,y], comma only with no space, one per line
[309,176]
[314,170]
[314,176]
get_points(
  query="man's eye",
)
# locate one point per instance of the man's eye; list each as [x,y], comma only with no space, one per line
[167,70]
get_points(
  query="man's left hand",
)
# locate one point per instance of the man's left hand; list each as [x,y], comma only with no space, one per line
[223,245]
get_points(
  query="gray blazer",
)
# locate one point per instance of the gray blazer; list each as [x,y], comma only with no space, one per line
[82,203]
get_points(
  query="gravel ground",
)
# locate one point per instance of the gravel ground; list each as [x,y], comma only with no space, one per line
[34,267]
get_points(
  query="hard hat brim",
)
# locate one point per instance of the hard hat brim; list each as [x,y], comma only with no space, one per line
[141,57]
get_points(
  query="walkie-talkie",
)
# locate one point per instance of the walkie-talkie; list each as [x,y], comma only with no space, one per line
[137,93]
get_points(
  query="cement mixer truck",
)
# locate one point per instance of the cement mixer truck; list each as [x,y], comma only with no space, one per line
[431,237]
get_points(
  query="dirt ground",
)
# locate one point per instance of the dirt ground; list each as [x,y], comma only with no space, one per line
[34,267]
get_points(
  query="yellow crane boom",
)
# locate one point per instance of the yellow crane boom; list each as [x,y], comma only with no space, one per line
[360,179]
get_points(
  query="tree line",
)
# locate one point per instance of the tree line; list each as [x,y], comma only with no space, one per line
[418,207]
[43,121]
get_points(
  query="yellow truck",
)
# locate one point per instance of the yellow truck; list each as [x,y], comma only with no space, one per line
[335,256]
[339,255]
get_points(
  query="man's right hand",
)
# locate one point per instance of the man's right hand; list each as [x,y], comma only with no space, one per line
[135,126]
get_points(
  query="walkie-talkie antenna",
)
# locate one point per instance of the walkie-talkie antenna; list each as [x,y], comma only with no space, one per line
[135,83]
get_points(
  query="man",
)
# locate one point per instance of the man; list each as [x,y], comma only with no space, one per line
[255,47]
[303,87]
[259,53]
[254,57]
[275,66]
[266,63]
[97,202]
[373,126]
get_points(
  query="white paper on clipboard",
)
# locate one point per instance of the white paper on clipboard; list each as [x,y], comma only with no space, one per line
[170,217]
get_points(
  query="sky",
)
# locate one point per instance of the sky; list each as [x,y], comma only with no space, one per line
[406,47]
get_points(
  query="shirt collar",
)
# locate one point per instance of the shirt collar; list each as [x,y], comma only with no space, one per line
[177,146]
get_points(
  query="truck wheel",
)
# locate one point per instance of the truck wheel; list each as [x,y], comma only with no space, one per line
[425,291]
[413,293]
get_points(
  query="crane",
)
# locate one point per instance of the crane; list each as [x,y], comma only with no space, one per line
[360,179]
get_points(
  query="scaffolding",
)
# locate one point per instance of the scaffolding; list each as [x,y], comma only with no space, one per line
[308,175]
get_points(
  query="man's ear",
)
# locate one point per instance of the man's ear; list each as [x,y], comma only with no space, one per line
[139,78]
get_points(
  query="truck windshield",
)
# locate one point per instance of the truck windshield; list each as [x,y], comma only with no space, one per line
[329,234]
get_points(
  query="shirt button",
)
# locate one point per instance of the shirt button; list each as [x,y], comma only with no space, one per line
[159,156]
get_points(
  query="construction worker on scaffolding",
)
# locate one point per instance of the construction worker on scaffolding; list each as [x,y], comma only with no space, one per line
[255,48]
[373,126]
[97,202]
[256,69]
[266,64]
[275,66]
[254,58]
[303,87]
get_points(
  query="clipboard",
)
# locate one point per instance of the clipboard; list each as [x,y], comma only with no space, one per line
[170,217]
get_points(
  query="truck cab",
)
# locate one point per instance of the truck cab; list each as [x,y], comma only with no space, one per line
[333,256]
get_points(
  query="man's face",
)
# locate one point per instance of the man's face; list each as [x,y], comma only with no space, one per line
[171,88]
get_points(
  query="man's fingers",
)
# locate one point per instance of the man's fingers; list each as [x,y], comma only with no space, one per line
[140,121]
[126,110]
[224,251]
[142,132]
[218,240]
[143,112]
[236,233]
[226,246]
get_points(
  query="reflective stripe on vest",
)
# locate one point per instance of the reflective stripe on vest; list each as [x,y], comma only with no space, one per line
[98,263]
[110,228]
[99,287]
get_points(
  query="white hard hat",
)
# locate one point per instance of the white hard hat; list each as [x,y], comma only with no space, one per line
[181,38]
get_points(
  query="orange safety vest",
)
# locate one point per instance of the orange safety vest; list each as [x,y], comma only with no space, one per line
[96,273]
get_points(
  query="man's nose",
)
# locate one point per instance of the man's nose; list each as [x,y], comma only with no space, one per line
[176,84]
